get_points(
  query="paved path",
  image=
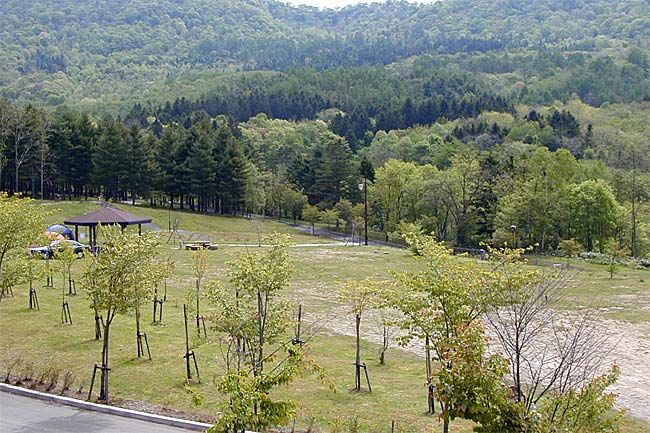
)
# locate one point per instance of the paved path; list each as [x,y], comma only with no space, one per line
[20,414]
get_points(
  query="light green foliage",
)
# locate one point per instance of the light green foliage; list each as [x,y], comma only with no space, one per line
[538,202]
[617,254]
[595,213]
[442,304]
[125,273]
[470,381]
[414,236]
[398,187]
[329,216]
[278,141]
[251,318]
[346,212]
[311,214]
[119,280]
[251,405]
[199,267]
[458,186]
[569,248]
[16,271]
[360,296]
[21,224]
[588,410]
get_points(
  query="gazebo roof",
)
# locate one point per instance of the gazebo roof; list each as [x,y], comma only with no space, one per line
[107,215]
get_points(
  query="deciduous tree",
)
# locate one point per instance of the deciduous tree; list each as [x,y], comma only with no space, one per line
[118,280]
[251,318]
[21,224]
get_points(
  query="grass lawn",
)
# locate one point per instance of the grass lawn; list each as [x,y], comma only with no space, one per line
[398,388]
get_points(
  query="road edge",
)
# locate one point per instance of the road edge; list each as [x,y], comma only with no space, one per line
[113,410]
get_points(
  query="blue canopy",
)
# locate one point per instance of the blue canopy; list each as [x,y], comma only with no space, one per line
[61,229]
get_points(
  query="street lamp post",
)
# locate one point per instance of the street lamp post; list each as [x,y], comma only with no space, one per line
[364,187]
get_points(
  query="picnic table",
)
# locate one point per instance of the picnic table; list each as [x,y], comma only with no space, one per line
[201,245]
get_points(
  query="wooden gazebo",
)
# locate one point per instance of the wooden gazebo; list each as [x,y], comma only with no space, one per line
[106,216]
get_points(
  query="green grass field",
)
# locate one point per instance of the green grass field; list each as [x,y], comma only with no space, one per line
[398,388]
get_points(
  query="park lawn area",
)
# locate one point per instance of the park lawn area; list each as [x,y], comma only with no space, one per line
[218,228]
[625,296]
[41,340]
[398,388]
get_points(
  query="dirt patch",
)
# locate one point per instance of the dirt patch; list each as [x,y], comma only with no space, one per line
[632,353]
[630,349]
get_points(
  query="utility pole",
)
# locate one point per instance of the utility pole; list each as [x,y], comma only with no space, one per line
[365,210]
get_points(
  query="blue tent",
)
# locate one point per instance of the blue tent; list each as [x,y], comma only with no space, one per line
[61,229]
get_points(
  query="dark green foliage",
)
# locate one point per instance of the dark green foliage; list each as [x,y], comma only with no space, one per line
[112,158]
[71,47]
[334,177]
[393,100]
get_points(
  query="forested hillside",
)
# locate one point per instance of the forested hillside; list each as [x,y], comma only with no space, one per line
[465,118]
[102,54]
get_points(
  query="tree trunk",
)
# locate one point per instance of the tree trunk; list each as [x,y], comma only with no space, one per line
[384,347]
[137,331]
[445,420]
[357,370]
[104,388]
[261,313]
[635,241]
[198,317]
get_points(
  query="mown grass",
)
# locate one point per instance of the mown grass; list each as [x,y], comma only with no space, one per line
[398,387]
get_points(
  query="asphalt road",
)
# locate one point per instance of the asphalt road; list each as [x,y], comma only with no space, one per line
[20,414]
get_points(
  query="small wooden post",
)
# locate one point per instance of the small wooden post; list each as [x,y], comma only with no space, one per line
[298,340]
[66,318]
[33,299]
[189,353]
[141,346]
[49,275]
[104,370]
[72,287]
[365,369]
[157,308]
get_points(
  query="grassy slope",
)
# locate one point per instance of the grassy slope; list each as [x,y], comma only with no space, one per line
[398,392]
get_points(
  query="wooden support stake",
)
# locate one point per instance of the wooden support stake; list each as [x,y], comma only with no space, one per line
[141,346]
[92,382]
[66,318]
[189,353]
[157,310]
[365,369]
[200,324]
[72,287]
[298,340]
[432,397]
[33,299]
[104,370]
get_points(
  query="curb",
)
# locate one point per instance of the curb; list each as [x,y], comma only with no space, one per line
[127,413]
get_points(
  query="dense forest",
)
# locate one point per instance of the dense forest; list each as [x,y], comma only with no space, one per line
[464,118]
[101,55]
